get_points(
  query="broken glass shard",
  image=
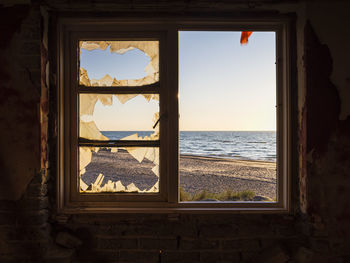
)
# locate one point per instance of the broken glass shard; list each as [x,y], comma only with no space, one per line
[132,169]
[101,114]
[119,63]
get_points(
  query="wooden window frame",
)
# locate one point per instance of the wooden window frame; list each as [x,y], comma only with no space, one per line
[70,30]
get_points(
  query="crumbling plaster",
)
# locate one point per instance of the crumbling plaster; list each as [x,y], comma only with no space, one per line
[19,100]
[331,24]
[324,130]
[329,73]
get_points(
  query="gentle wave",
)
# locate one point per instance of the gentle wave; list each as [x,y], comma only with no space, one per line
[223,144]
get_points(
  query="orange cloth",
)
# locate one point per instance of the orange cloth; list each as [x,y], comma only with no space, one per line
[244,37]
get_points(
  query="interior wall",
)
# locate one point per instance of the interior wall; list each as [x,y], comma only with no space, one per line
[19,98]
[318,228]
[327,122]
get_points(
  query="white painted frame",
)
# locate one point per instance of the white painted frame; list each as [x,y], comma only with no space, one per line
[167,201]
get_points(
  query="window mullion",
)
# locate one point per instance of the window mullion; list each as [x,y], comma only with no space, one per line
[146,89]
[118,143]
[173,120]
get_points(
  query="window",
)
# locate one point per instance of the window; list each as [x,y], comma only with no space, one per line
[129,156]
[120,135]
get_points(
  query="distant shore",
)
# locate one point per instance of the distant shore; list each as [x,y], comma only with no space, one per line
[197,173]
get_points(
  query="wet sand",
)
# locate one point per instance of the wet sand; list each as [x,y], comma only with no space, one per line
[196,173]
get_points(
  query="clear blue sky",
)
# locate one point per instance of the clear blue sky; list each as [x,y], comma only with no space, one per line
[129,65]
[222,85]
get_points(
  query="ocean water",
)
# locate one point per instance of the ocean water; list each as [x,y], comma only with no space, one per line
[243,145]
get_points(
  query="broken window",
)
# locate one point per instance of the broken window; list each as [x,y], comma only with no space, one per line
[119,169]
[116,49]
[116,129]
[121,140]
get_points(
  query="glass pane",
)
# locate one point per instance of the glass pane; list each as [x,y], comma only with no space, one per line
[121,116]
[227,117]
[132,169]
[119,63]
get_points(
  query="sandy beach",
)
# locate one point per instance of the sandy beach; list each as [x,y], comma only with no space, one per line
[196,173]
[218,174]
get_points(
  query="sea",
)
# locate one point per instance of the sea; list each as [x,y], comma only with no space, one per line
[241,145]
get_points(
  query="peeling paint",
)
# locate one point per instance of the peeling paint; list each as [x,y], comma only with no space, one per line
[44,111]
[302,163]
[325,163]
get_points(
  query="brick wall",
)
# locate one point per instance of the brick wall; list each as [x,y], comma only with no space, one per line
[186,238]
[24,226]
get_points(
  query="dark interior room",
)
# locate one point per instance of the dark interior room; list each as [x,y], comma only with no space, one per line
[54,209]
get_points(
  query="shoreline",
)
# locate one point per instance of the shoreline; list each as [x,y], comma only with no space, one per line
[197,173]
[217,158]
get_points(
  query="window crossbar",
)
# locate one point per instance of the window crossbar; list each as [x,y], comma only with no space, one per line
[118,143]
[146,89]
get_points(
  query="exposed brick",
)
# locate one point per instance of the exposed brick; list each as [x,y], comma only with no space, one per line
[33,218]
[29,48]
[241,244]
[139,256]
[250,244]
[7,218]
[255,228]
[27,233]
[36,190]
[116,243]
[59,260]
[339,245]
[169,229]
[31,62]
[107,256]
[34,18]
[195,244]
[320,245]
[145,230]
[126,230]
[231,256]
[152,243]
[210,257]
[7,259]
[218,231]
[30,248]
[58,254]
[6,205]
[30,31]
[180,256]
[231,244]
[274,254]
[67,240]
[268,242]
[246,256]
[177,229]
[285,230]
[37,177]
[36,203]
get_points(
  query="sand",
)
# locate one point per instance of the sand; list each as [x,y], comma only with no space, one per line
[196,173]
[218,174]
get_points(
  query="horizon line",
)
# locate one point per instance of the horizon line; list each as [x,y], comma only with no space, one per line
[196,130]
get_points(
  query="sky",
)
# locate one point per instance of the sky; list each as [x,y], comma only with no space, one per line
[222,84]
